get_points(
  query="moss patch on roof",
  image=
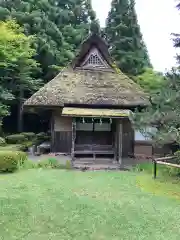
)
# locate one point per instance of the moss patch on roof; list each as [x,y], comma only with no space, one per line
[89,87]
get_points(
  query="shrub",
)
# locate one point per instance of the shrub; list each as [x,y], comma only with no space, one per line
[25,146]
[29,135]
[10,161]
[2,141]
[22,156]
[41,137]
[177,157]
[16,139]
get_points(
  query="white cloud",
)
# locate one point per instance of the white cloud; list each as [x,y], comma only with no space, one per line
[158,19]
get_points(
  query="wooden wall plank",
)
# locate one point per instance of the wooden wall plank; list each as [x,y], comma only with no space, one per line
[127,139]
[62,142]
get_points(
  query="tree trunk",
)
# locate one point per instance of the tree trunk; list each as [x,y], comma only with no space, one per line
[20,111]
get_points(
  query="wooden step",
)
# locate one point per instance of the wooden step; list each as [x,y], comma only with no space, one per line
[94,161]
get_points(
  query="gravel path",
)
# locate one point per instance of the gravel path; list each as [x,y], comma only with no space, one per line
[62,159]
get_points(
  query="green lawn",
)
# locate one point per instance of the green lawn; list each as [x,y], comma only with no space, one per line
[63,205]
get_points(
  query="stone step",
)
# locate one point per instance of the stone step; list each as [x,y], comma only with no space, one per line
[95,167]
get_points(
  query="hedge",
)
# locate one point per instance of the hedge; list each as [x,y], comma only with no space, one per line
[10,161]
[16,139]
[29,135]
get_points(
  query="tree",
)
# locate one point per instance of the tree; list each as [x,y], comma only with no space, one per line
[124,35]
[164,109]
[17,65]
[59,26]
[150,80]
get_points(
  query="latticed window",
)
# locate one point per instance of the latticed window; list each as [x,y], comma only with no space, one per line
[94,60]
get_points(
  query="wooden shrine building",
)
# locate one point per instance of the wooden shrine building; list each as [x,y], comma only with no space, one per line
[91,103]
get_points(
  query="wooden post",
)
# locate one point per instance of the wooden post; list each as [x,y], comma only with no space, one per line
[120,141]
[52,131]
[155,168]
[115,140]
[73,138]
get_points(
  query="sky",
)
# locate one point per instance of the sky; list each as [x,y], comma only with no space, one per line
[157,19]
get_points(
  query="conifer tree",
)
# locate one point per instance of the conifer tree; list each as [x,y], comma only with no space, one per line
[124,35]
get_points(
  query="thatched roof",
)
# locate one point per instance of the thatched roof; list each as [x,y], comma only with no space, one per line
[89,87]
[97,86]
[87,44]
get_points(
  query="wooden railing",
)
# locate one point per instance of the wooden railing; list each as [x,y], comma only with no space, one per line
[163,161]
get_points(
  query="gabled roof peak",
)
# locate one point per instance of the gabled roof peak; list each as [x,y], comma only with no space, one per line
[94,41]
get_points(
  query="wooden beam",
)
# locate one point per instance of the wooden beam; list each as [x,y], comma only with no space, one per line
[164,158]
[168,164]
[161,161]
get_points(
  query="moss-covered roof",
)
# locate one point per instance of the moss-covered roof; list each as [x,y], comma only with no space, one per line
[97,86]
[78,86]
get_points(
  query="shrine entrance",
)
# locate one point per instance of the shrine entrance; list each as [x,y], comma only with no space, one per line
[95,137]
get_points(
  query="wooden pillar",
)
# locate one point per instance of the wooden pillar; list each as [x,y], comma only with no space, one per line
[120,141]
[52,132]
[73,138]
[116,127]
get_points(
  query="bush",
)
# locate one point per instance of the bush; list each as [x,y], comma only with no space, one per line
[2,141]
[16,139]
[177,157]
[10,161]
[41,137]
[29,135]
[25,146]
[168,171]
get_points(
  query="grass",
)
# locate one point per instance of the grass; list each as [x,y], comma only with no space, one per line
[58,204]
[162,187]
[167,182]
